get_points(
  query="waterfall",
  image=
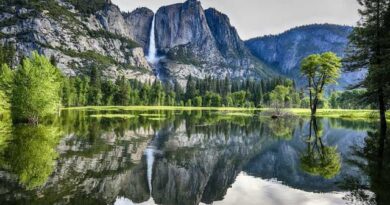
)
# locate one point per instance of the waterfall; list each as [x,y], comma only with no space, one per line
[152,52]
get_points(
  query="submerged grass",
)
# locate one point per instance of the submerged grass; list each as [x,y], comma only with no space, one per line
[118,108]
[157,118]
[152,115]
[236,114]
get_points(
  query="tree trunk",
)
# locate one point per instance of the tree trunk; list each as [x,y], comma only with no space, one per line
[382,112]
[314,107]
[310,96]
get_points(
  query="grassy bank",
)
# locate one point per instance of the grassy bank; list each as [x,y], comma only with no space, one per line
[332,113]
[339,113]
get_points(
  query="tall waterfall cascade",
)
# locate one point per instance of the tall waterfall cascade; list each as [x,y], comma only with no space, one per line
[152,57]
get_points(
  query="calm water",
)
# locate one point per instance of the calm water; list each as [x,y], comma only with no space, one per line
[192,157]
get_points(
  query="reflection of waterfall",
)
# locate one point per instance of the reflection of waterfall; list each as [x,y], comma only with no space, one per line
[149,153]
[152,53]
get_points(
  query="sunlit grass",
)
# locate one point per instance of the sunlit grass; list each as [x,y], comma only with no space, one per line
[121,116]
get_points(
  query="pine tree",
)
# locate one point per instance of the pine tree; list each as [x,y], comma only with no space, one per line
[190,88]
[122,96]
[95,90]
[369,48]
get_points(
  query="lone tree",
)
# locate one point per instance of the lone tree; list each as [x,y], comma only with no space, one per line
[36,90]
[320,70]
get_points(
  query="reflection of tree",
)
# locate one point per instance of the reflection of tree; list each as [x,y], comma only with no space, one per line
[319,159]
[30,155]
[374,160]
[283,128]
[5,135]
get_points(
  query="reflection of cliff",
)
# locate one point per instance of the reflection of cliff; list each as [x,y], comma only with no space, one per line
[201,168]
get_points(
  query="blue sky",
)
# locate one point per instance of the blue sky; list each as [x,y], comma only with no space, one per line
[261,17]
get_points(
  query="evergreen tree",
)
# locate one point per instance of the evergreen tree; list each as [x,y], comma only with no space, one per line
[108,91]
[95,90]
[190,88]
[122,96]
[370,49]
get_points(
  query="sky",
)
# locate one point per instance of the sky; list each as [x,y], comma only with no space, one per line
[254,18]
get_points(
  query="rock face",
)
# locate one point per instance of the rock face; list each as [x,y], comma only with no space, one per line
[107,39]
[205,42]
[139,21]
[285,52]
[228,41]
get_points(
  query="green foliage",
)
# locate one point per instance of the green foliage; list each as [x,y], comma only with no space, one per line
[238,98]
[350,99]
[4,104]
[198,101]
[36,91]
[6,82]
[278,96]
[212,100]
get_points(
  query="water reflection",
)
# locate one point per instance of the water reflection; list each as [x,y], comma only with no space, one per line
[184,157]
[319,159]
[31,154]
[373,159]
